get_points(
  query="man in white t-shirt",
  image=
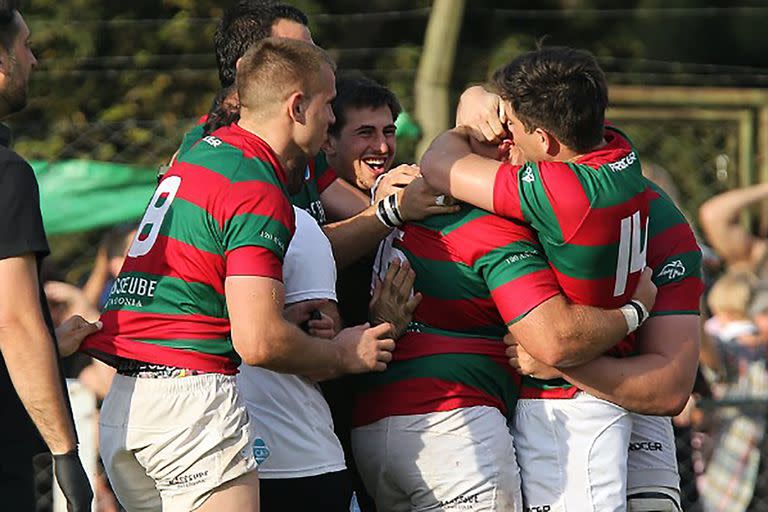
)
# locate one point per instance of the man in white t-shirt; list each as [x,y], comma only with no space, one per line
[301,463]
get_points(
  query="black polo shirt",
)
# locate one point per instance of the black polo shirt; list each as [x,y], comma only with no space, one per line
[21,232]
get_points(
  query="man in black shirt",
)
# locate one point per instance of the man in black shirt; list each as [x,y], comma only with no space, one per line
[30,377]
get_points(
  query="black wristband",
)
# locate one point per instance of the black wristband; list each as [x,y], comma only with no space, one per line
[642,316]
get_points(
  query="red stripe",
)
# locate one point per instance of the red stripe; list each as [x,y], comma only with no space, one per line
[617,147]
[595,292]
[506,193]
[566,195]
[426,244]
[324,180]
[108,348]
[157,326]
[684,295]
[602,226]
[524,294]
[677,239]
[458,314]
[257,198]
[555,393]
[172,258]
[252,260]
[479,236]
[199,185]
[418,396]
[418,344]
[251,145]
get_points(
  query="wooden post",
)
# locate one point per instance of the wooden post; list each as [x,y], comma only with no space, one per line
[432,87]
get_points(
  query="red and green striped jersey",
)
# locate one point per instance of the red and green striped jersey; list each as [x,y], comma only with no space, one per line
[222,209]
[675,258]
[590,216]
[319,175]
[469,268]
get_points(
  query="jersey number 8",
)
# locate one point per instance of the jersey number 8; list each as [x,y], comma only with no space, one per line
[153,217]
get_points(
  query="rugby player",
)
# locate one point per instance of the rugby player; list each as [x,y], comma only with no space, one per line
[361,147]
[657,382]
[432,431]
[347,217]
[201,289]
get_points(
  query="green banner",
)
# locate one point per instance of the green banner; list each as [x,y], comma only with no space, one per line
[79,195]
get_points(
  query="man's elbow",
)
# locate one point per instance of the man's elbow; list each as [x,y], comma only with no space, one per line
[254,349]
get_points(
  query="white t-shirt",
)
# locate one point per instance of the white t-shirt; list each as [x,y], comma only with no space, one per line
[290,419]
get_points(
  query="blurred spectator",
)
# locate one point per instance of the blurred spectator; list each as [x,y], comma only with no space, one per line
[109,260]
[720,220]
[735,354]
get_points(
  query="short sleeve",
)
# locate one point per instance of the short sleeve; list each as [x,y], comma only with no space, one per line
[21,222]
[506,192]
[679,281]
[259,226]
[309,267]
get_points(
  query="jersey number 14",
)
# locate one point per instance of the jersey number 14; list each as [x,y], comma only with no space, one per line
[633,247]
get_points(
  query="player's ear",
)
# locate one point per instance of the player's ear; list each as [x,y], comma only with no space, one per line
[330,146]
[297,107]
[547,143]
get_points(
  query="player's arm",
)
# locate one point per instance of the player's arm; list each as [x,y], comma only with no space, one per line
[30,355]
[538,316]
[263,337]
[451,167]
[659,381]
[720,222]
[342,201]
[562,334]
[359,235]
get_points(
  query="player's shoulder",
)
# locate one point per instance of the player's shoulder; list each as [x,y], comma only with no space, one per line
[15,171]
[474,228]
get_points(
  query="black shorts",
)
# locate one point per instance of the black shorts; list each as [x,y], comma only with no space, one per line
[329,492]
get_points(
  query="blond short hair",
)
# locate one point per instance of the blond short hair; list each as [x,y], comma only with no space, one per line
[732,293]
[274,68]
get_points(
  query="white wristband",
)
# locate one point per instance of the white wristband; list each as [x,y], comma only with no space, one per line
[631,316]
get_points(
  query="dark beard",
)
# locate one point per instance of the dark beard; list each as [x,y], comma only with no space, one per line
[295,172]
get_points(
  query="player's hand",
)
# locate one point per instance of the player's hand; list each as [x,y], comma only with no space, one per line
[393,300]
[525,364]
[418,201]
[646,290]
[365,348]
[71,333]
[324,327]
[301,312]
[481,111]
[395,180]
[71,298]
[73,481]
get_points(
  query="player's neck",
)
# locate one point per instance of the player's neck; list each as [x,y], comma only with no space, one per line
[274,134]
[570,155]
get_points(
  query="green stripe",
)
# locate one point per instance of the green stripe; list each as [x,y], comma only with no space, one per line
[260,230]
[168,296]
[606,188]
[477,371]
[446,280]
[192,136]
[192,225]
[229,161]
[681,312]
[672,272]
[532,382]
[214,347]
[535,205]
[585,262]
[445,224]
[505,264]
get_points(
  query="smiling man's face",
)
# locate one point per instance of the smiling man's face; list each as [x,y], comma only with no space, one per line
[365,147]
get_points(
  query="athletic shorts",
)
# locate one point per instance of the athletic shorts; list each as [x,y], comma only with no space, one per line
[459,460]
[652,460]
[572,454]
[174,441]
